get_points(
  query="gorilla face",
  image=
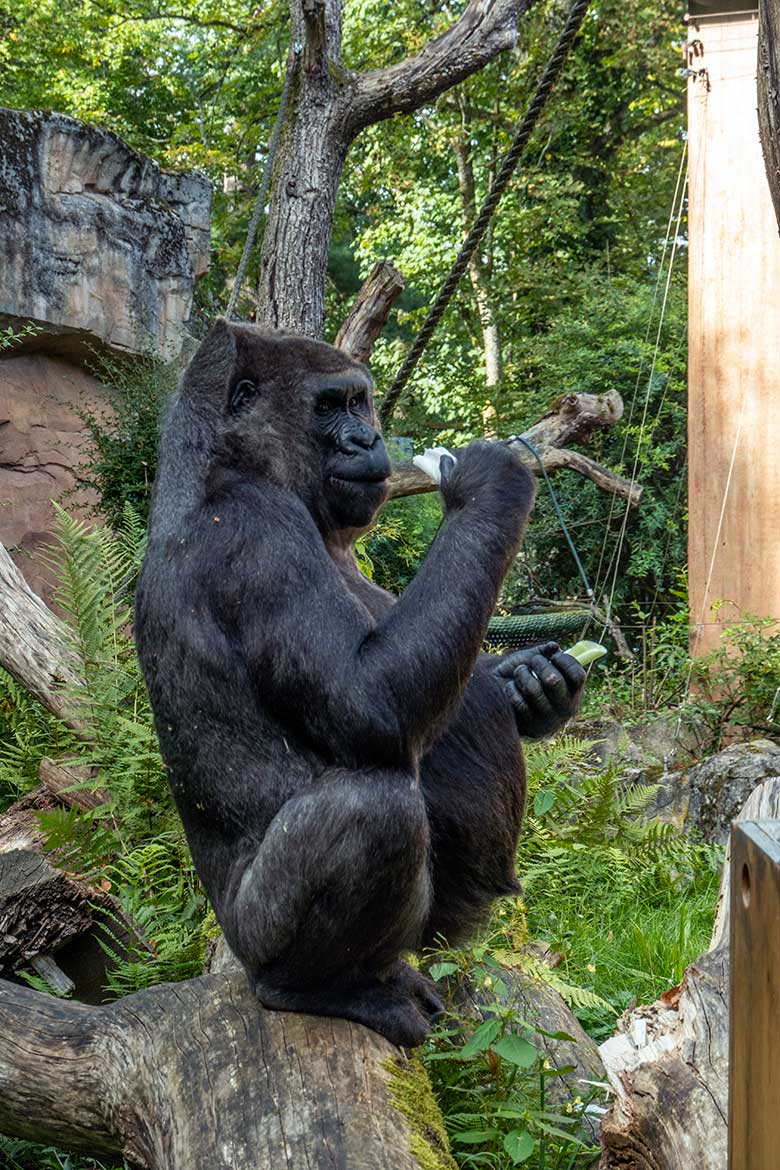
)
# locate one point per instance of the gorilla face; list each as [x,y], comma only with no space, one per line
[354,460]
[298,413]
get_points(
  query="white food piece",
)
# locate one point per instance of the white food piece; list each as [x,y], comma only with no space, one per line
[430,462]
[587,652]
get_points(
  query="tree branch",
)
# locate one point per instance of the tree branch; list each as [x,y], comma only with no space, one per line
[368,315]
[607,480]
[573,418]
[485,29]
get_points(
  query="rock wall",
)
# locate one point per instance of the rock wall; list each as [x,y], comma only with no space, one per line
[97,243]
[42,440]
[101,249]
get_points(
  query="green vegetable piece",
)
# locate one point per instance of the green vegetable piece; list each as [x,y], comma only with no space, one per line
[587,652]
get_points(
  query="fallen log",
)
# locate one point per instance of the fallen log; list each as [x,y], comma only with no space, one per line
[34,647]
[51,918]
[668,1064]
[197,1074]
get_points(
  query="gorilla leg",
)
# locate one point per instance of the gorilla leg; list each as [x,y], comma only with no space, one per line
[338,888]
[473,781]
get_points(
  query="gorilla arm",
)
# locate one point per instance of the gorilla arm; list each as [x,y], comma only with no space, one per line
[355,689]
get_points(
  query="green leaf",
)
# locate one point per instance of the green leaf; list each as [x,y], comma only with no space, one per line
[555,1035]
[481,1040]
[543,801]
[472,1136]
[516,1050]
[519,1145]
[441,970]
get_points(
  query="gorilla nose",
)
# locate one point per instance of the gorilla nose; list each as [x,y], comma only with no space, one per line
[360,438]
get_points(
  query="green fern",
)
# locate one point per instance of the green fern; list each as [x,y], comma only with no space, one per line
[133,845]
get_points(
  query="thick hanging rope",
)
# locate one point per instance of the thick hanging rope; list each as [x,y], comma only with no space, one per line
[481,223]
[238,283]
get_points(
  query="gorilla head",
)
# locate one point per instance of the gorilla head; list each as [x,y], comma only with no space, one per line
[297,413]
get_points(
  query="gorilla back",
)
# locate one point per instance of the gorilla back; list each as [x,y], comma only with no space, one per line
[292,714]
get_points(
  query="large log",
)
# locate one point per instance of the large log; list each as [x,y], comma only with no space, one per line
[196,1074]
[34,646]
[668,1064]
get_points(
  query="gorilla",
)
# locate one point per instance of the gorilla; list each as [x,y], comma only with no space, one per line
[347,765]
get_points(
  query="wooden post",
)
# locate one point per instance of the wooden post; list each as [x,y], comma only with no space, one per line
[734,306]
[754,1084]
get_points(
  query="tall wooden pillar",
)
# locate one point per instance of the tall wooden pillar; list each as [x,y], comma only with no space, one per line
[734,331]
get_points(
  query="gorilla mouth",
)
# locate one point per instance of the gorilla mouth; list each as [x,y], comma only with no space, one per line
[367,480]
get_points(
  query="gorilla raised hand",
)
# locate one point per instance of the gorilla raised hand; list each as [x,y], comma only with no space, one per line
[347,766]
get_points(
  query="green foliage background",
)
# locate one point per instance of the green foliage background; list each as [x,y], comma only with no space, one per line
[573,256]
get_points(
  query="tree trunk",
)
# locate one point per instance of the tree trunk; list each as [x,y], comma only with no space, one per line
[668,1064]
[769,93]
[312,149]
[329,105]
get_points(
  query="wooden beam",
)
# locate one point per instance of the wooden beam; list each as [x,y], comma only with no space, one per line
[754,1081]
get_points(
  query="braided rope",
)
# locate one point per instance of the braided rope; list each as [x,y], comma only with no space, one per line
[249,243]
[481,223]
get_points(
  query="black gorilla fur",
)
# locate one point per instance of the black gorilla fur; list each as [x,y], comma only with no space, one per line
[347,766]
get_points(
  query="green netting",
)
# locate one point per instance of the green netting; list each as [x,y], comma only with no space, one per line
[537,624]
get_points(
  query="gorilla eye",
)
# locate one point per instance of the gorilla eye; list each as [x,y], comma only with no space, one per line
[357,400]
[322,407]
[243,392]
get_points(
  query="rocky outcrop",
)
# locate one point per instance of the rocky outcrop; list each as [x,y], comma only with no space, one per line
[708,796]
[97,243]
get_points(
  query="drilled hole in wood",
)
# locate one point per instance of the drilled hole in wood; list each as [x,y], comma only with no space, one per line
[745,886]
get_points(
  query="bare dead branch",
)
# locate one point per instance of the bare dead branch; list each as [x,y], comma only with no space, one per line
[572,419]
[485,29]
[608,481]
[368,316]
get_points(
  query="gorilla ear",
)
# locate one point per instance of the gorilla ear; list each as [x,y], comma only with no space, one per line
[241,394]
[208,375]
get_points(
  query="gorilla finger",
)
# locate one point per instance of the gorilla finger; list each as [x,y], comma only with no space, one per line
[507,667]
[446,469]
[532,691]
[571,670]
[553,682]
[547,649]
[519,705]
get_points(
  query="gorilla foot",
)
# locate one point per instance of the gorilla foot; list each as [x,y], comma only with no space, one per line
[412,983]
[382,1007]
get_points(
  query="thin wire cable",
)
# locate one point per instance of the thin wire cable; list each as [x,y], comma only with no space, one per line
[615,561]
[482,222]
[640,370]
[715,548]
[249,243]
[559,513]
